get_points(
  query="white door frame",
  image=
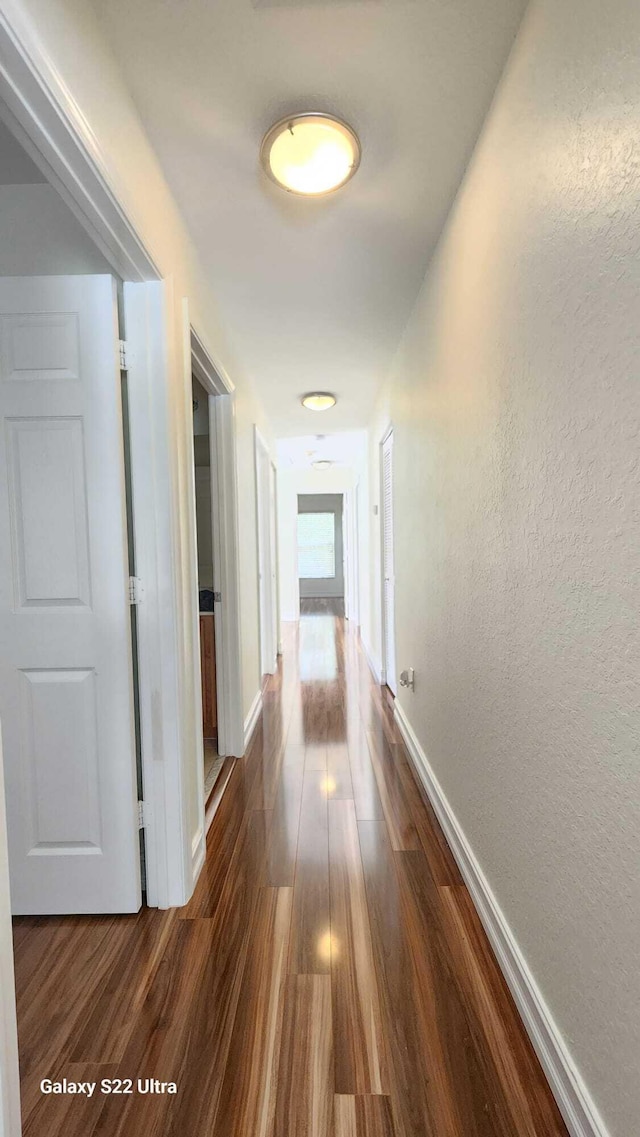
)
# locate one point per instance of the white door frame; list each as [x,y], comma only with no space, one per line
[346,553]
[266,553]
[351,556]
[276,560]
[166,855]
[384,678]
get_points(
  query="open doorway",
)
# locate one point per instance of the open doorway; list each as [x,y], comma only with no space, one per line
[215,636]
[202,453]
[321,575]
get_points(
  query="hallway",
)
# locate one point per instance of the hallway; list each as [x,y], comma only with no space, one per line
[328,977]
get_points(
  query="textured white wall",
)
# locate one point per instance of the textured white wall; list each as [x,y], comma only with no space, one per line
[516,403]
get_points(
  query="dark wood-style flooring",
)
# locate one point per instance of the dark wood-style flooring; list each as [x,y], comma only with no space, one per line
[329,977]
[322,606]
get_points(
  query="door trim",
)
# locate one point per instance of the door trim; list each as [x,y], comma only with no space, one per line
[226,565]
[383,635]
[267,606]
[154,537]
[276,553]
[352,556]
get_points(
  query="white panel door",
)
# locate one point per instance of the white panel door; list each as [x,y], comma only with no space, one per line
[66,692]
[388,577]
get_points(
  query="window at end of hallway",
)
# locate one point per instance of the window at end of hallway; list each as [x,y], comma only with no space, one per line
[316,546]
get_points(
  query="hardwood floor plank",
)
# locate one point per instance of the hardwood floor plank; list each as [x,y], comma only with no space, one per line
[364,1116]
[294,754]
[359,1045]
[217,793]
[339,771]
[248,1096]
[73,1115]
[415,1103]
[402,830]
[114,1012]
[440,1085]
[158,1047]
[432,840]
[310,950]
[210,1037]
[316,756]
[57,990]
[496,1019]
[221,840]
[365,788]
[304,1102]
[264,771]
[468,1094]
[336,713]
[284,826]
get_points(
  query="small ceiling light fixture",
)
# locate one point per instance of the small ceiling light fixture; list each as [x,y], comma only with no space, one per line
[310,154]
[323,464]
[318,401]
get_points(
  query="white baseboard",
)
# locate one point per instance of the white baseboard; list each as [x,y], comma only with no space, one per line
[198,854]
[573,1098]
[252,718]
[374,664]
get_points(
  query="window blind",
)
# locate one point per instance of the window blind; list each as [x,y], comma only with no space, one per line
[316,546]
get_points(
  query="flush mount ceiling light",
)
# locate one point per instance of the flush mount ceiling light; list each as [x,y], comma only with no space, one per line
[322,464]
[318,401]
[310,153]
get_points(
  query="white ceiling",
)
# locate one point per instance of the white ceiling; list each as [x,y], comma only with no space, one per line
[315,292]
[345,449]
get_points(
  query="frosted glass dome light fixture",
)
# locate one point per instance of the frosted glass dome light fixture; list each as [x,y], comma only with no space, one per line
[310,154]
[318,401]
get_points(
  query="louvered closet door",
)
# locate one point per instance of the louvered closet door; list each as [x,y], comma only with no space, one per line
[388,599]
[66,695]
